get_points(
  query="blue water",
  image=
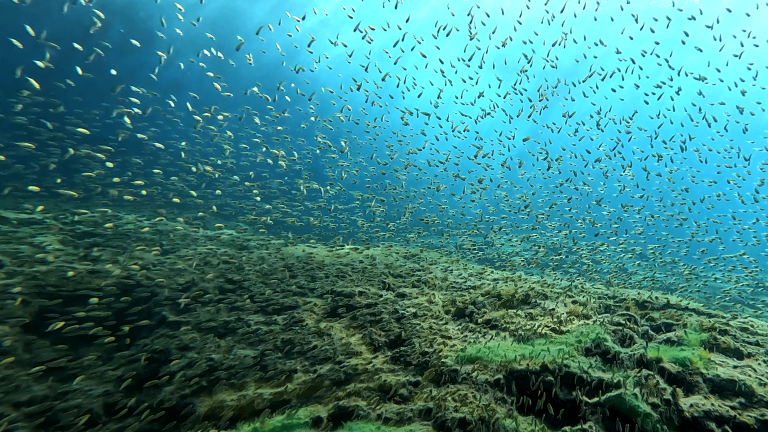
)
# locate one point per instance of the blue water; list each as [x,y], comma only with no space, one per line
[617,141]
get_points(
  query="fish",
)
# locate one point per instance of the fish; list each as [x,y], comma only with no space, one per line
[575,142]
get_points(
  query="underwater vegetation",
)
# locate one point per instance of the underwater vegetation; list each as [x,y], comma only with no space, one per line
[198,330]
[298,421]
[557,348]
[306,420]
[688,353]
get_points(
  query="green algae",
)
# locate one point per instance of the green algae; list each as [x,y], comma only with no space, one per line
[299,421]
[688,354]
[560,348]
[292,421]
[367,426]
[518,423]
[633,407]
[681,356]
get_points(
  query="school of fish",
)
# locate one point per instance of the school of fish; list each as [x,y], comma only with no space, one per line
[576,137]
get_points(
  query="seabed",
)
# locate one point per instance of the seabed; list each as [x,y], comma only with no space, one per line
[119,322]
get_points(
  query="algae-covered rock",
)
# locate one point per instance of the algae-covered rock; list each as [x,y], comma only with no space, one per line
[174,329]
[313,418]
[554,349]
[293,421]
[632,408]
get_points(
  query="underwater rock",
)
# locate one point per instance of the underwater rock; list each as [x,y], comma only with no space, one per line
[132,332]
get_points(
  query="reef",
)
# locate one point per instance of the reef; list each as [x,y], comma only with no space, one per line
[119,322]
